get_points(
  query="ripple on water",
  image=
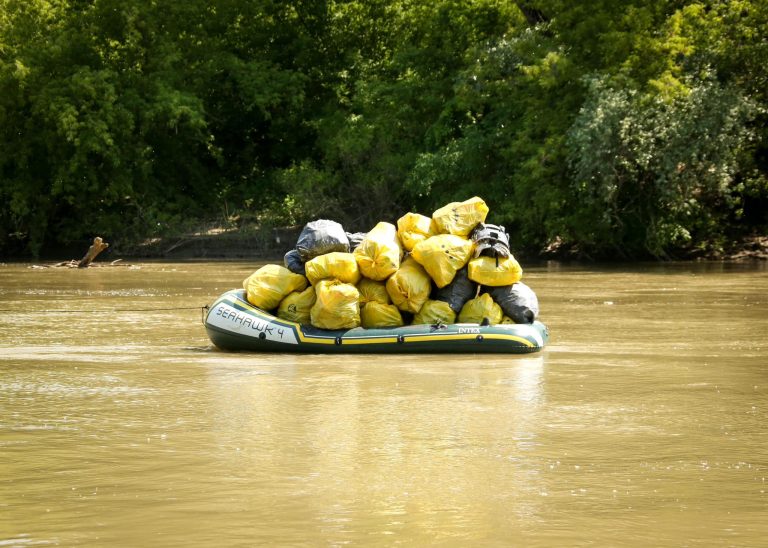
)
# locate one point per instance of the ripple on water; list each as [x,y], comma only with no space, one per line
[27,540]
[80,353]
[128,292]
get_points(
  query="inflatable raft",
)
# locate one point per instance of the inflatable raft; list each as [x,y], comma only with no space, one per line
[234,324]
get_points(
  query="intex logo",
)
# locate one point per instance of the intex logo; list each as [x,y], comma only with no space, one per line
[472,330]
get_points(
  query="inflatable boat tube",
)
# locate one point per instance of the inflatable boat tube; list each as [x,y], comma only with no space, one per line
[234,324]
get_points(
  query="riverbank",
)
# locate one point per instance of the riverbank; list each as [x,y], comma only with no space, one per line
[271,244]
[752,248]
[217,243]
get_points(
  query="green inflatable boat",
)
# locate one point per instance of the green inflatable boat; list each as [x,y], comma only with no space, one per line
[234,324]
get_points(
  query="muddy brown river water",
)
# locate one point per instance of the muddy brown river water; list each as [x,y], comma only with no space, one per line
[643,423]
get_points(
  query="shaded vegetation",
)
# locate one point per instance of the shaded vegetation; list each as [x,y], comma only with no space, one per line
[629,129]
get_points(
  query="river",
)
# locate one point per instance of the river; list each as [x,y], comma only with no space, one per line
[643,423]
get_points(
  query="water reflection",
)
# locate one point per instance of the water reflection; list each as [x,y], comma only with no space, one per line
[387,439]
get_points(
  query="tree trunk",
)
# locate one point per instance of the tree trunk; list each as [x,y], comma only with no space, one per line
[98,246]
[533,15]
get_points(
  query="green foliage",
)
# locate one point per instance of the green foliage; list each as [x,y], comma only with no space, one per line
[653,174]
[502,131]
[635,127]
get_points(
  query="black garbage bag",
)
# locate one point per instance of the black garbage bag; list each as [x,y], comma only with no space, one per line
[458,292]
[292,261]
[518,301]
[355,239]
[321,237]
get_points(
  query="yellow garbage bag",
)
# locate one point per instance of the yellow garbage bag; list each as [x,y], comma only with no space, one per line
[378,255]
[377,315]
[442,256]
[336,264]
[459,218]
[435,311]
[412,228]
[296,306]
[337,305]
[495,271]
[271,283]
[507,319]
[479,308]
[410,286]
[372,291]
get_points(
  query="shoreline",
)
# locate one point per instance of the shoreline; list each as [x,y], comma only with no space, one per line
[238,245]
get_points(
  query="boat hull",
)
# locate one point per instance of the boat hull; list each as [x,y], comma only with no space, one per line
[234,324]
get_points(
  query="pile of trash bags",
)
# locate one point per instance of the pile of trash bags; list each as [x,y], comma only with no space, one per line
[448,268]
